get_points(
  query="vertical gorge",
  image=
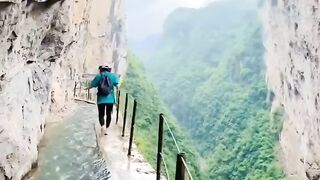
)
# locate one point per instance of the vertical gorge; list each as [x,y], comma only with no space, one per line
[209,68]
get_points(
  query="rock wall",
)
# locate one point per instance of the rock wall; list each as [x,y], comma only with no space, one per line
[292,30]
[46,45]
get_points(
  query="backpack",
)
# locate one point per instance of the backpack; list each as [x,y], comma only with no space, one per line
[105,86]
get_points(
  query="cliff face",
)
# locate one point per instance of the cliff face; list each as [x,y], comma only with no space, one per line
[45,48]
[293,36]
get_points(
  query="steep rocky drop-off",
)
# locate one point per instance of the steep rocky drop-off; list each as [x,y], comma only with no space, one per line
[45,48]
[293,42]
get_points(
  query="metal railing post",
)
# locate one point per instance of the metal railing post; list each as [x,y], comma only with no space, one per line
[75,89]
[118,106]
[88,95]
[132,126]
[160,144]
[180,168]
[125,115]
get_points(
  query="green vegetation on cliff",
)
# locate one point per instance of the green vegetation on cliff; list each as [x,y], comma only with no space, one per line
[209,70]
[149,107]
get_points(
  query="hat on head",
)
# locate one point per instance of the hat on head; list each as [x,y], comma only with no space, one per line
[105,68]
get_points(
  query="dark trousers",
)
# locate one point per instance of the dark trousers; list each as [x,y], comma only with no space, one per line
[105,109]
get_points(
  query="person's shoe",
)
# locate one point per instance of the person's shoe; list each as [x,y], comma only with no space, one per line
[105,131]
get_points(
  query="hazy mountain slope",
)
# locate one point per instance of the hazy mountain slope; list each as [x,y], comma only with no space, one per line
[149,107]
[209,69]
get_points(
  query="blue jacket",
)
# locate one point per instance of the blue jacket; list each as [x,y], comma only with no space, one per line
[110,99]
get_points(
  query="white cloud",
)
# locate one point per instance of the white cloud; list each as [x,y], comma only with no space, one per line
[192,3]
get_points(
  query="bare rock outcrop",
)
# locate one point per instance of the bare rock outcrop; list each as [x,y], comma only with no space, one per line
[293,74]
[46,45]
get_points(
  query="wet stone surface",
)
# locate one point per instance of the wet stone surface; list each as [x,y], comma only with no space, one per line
[69,151]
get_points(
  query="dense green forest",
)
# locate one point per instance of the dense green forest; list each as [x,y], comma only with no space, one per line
[149,107]
[209,69]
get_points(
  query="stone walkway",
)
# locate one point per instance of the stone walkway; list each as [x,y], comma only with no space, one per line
[115,150]
[68,151]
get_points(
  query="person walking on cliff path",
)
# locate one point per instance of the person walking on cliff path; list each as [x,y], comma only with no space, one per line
[105,82]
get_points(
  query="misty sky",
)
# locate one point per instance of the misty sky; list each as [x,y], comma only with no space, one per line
[146,17]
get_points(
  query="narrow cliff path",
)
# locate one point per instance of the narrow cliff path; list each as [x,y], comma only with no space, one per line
[70,150]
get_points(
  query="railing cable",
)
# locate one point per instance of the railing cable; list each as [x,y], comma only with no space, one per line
[177,146]
[171,133]
[165,166]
